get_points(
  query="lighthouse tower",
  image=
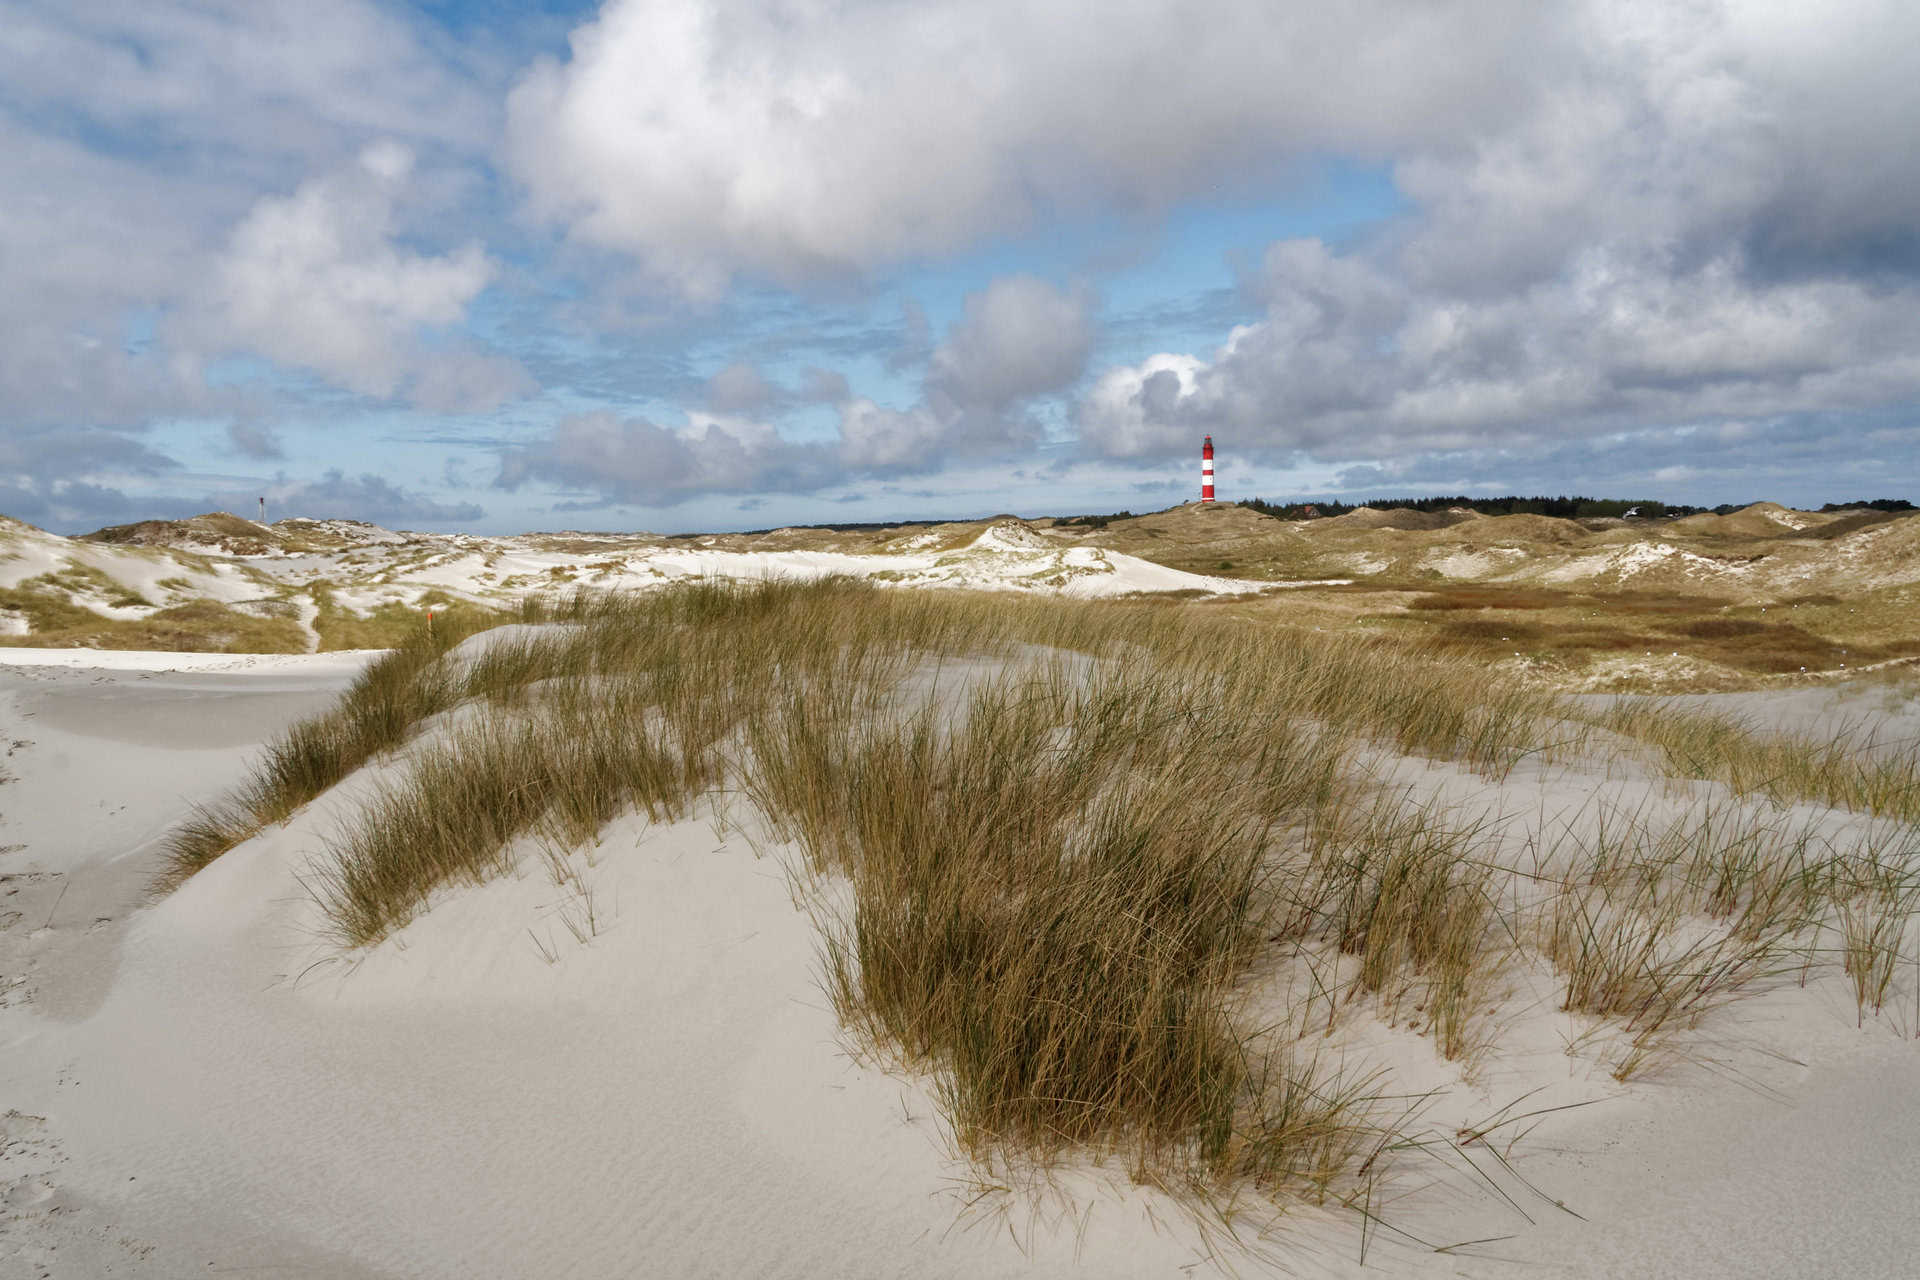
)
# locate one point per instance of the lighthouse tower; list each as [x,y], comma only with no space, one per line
[1206,471]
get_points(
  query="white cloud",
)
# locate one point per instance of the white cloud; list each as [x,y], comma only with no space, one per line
[1331,372]
[317,280]
[1017,338]
[876,438]
[1136,410]
[1687,224]
[257,79]
[803,140]
[133,139]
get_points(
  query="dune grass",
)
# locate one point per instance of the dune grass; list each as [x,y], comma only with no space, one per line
[383,706]
[56,621]
[1845,770]
[1056,848]
[390,624]
[1406,895]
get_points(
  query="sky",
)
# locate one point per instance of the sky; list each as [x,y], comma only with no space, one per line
[679,265]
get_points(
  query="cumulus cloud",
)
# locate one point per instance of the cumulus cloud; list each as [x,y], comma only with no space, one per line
[53,477]
[1341,368]
[1656,243]
[1016,339]
[1617,215]
[804,141]
[1019,337]
[739,388]
[134,137]
[317,280]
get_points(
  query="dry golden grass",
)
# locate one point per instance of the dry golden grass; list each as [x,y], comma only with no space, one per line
[1070,837]
[391,624]
[1845,770]
[201,626]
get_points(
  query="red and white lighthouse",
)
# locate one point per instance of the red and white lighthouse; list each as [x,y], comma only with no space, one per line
[1206,471]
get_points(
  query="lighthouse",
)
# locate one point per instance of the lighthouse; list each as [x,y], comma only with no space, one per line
[1206,470]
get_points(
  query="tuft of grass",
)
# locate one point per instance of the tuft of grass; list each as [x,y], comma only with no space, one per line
[1406,895]
[461,804]
[1847,770]
[1050,913]
[388,701]
[1659,927]
[1875,897]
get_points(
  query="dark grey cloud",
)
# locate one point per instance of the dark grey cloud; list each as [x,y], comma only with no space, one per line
[634,461]
[72,480]
[80,506]
[1019,337]
[255,440]
[53,454]
[337,495]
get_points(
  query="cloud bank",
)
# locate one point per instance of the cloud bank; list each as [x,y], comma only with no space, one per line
[1619,215]
[803,141]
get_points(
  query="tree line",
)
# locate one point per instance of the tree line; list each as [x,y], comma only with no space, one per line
[1563,506]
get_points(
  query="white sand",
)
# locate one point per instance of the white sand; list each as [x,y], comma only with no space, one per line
[203,1086]
[340,664]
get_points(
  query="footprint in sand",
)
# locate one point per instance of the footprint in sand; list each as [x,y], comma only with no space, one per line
[18,1124]
[26,1192]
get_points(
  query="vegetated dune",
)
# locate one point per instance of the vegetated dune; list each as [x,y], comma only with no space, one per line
[1401,519]
[1758,520]
[215,532]
[312,584]
[1644,604]
[815,928]
[1546,530]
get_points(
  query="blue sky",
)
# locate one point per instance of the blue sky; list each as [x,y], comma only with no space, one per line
[673,265]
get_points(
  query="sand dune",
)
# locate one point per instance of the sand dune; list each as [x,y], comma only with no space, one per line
[207,1084]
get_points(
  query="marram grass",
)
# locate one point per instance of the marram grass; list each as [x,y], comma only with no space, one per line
[1075,836]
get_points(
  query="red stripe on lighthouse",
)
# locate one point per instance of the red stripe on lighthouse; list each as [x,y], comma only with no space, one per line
[1206,471]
